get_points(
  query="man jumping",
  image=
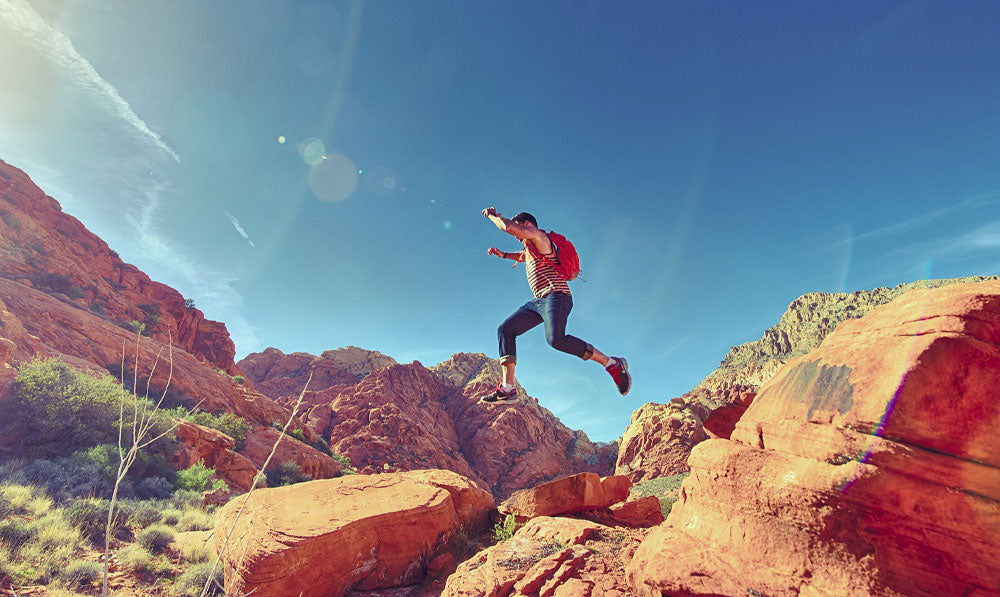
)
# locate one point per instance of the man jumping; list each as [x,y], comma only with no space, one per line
[551,306]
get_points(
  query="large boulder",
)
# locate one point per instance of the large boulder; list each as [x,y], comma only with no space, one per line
[327,537]
[870,466]
[576,493]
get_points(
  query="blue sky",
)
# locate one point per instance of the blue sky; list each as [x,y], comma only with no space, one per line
[710,160]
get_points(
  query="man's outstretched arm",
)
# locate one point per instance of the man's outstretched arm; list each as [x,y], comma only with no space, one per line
[513,228]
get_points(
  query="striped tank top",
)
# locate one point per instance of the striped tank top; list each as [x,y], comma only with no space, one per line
[542,275]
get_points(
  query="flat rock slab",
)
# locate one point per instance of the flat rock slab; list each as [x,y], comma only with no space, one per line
[327,537]
[576,493]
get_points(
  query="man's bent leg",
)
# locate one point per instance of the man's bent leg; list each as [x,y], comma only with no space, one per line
[555,310]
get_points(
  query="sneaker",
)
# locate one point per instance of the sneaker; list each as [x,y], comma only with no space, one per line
[498,396]
[619,372]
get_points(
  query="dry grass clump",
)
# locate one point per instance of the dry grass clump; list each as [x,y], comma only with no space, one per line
[155,538]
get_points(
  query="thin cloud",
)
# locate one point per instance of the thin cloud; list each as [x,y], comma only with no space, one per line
[58,48]
[238,227]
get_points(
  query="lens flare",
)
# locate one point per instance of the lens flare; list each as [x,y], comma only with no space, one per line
[312,151]
[334,178]
[281,139]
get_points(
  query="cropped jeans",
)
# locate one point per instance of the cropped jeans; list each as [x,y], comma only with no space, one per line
[552,310]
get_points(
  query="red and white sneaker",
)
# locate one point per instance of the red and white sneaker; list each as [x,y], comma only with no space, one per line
[619,373]
[499,396]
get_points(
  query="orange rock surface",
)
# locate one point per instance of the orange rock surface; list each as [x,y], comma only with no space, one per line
[576,493]
[216,450]
[311,461]
[327,537]
[550,557]
[870,466]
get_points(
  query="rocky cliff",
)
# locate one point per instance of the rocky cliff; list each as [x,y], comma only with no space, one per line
[386,416]
[869,466]
[42,247]
[660,436]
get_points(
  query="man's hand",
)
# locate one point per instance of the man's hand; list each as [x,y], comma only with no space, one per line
[495,251]
[490,211]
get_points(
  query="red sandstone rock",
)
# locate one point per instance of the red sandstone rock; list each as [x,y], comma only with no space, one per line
[7,373]
[311,461]
[643,512]
[867,467]
[550,556]
[42,247]
[324,538]
[216,450]
[576,493]
[276,374]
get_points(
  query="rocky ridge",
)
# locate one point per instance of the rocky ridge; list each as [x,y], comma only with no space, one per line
[401,417]
[660,437]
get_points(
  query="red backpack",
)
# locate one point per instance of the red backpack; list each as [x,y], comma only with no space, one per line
[568,264]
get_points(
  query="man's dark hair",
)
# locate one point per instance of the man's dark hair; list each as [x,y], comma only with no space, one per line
[525,217]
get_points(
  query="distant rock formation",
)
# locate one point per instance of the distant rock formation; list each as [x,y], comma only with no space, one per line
[660,436]
[403,417]
[48,250]
[869,466]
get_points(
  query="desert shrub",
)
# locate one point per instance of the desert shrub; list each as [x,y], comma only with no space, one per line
[97,308]
[53,283]
[90,515]
[40,564]
[81,573]
[53,530]
[145,513]
[69,478]
[65,410]
[183,498]
[15,532]
[194,579]
[346,467]
[155,538]
[289,473]
[198,477]
[171,516]
[154,488]
[10,219]
[25,499]
[504,529]
[194,519]
[135,558]
[298,434]
[194,552]
[239,379]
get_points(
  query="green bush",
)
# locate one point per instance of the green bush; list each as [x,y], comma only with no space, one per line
[155,538]
[299,435]
[135,558]
[81,573]
[171,516]
[63,410]
[505,528]
[193,580]
[90,515]
[226,422]
[15,532]
[289,473]
[145,513]
[195,519]
[198,477]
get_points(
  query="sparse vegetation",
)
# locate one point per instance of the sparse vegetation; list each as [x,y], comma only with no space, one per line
[192,582]
[80,573]
[135,558]
[226,422]
[664,488]
[504,529]
[288,473]
[189,304]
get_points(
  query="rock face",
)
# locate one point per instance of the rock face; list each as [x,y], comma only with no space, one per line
[660,436]
[870,466]
[311,461]
[325,538]
[46,249]
[216,450]
[403,417]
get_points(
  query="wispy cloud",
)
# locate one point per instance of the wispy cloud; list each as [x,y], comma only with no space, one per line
[238,227]
[57,47]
